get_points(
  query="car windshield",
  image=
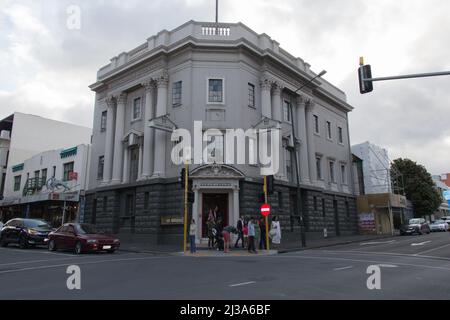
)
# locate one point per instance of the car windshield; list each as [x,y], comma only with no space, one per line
[36,224]
[414,221]
[439,222]
[86,229]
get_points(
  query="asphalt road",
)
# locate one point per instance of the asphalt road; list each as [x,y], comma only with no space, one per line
[412,267]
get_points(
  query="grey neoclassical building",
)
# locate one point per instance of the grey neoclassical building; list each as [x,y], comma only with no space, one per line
[226,76]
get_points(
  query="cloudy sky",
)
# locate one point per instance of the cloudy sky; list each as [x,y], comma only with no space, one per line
[45,68]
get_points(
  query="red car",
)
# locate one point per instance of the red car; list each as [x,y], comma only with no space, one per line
[81,237]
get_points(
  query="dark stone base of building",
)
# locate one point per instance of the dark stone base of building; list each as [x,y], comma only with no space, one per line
[152,211]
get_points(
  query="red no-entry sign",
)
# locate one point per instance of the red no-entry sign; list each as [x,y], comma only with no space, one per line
[265,209]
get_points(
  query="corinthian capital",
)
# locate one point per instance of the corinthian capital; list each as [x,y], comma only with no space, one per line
[122,98]
[266,84]
[276,87]
[149,85]
[110,101]
[162,80]
[310,104]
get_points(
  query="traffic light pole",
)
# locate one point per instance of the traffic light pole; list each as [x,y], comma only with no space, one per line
[186,184]
[297,191]
[266,199]
[409,76]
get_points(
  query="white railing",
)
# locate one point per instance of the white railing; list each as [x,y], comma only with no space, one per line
[215,31]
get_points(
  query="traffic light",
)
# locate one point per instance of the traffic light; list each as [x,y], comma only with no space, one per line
[262,198]
[191,197]
[270,185]
[183,178]
[364,72]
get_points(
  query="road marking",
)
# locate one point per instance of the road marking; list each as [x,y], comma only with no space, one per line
[357,252]
[388,266]
[242,284]
[376,242]
[78,263]
[32,261]
[343,268]
[430,250]
[420,243]
[365,261]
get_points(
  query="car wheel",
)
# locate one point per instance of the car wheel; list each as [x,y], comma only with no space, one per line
[3,242]
[23,244]
[111,251]
[52,245]
[78,248]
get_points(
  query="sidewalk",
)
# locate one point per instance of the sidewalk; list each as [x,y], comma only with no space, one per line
[288,245]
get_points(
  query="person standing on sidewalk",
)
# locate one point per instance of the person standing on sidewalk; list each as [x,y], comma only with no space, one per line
[192,233]
[240,232]
[257,234]
[275,231]
[251,236]
[226,233]
[262,240]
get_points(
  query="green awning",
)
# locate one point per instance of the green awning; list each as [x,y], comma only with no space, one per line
[69,152]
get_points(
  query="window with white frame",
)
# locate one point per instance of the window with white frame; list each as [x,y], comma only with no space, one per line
[101,166]
[251,95]
[215,91]
[137,108]
[17,180]
[319,167]
[329,130]
[215,148]
[340,135]
[343,173]
[316,124]
[332,175]
[103,121]
[286,111]
[176,93]
[67,170]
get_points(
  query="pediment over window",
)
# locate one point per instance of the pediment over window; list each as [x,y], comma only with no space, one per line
[216,171]
[133,137]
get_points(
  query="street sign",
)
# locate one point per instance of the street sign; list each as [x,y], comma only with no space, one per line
[265,209]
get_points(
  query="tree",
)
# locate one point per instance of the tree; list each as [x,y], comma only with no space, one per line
[419,186]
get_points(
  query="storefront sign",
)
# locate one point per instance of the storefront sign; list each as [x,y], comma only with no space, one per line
[171,220]
[367,222]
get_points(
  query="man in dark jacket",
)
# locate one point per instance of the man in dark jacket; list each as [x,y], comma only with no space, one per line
[262,241]
[240,232]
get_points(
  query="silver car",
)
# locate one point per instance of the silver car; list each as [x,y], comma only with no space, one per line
[439,225]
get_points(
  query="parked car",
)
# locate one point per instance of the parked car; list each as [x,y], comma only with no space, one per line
[418,225]
[439,225]
[25,232]
[81,238]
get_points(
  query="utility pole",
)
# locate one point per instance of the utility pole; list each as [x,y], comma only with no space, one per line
[266,199]
[186,184]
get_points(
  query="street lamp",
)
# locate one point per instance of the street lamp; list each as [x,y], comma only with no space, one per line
[302,223]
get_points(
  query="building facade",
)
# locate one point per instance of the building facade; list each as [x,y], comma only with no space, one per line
[376,167]
[50,186]
[227,77]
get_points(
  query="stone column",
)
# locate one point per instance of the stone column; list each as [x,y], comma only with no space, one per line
[302,136]
[277,108]
[109,143]
[160,136]
[266,86]
[118,143]
[147,166]
[277,114]
[126,165]
[141,151]
[310,141]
